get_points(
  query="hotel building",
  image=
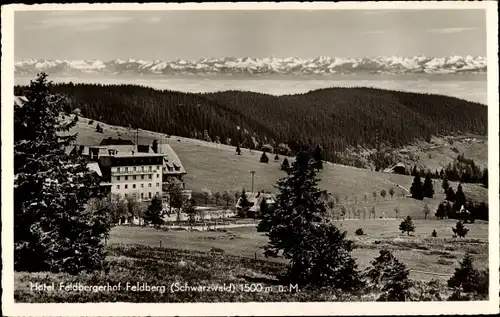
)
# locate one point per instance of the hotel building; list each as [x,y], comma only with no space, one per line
[128,169]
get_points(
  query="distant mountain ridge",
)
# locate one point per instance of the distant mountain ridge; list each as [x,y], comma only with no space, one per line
[323,65]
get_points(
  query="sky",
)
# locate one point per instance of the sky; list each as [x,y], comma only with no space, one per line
[191,35]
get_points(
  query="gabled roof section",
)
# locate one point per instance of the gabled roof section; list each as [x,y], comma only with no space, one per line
[119,141]
[94,167]
[171,162]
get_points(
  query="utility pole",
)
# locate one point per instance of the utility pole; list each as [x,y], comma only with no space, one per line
[253,175]
[137,138]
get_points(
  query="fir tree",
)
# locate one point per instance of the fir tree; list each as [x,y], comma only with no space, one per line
[416,188]
[264,158]
[484,179]
[445,185]
[98,128]
[441,211]
[434,233]
[238,150]
[318,158]
[153,214]
[276,157]
[390,276]
[285,165]
[466,276]
[298,221]
[264,211]
[244,202]
[459,198]
[391,192]
[428,188]
[53,228]
[460,229]
[407,225]
[450,194]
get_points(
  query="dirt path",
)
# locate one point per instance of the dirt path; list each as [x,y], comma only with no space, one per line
[219,226]
[392,183]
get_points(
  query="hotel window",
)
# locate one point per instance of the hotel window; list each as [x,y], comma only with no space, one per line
[133,186]
[157,193]
[134,168]
[126,169]
[126,178]
[150,176]
[142,195]
[149,185]
[118,170]
[126,186]
[142,176]
[142,185]
[117,178]
[149,195]
[157,184]
[158,175]
[135,177]
[158,167]
[142,168]
[150,168]
[117,186]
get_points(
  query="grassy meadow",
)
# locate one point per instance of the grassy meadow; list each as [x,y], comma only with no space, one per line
[218,168]
[234,256]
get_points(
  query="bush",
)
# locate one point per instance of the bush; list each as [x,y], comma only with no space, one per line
[217,250]
[460,229]
[468,279]
[98,128]
[359,232]
[407,226]
[264,158]
[390,276]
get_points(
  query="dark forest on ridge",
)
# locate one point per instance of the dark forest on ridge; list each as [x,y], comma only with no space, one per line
[334,118]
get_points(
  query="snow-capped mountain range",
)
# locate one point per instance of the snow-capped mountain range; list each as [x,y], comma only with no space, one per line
[323,65]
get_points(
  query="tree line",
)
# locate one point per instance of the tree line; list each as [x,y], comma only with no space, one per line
[335,118]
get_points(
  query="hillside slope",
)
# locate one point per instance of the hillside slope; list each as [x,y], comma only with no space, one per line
[335,118]
[218,168]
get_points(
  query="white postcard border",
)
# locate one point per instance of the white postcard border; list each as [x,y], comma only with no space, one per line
[216,309]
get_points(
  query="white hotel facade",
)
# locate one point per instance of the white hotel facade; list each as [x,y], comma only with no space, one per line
[138,173]
[129,169]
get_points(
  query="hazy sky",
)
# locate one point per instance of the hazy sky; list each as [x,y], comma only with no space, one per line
[170,35]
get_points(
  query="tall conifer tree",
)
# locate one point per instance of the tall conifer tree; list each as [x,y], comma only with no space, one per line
[54,230]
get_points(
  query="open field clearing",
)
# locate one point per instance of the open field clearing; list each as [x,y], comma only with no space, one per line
[218,168]
[419,251]
[217,259]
